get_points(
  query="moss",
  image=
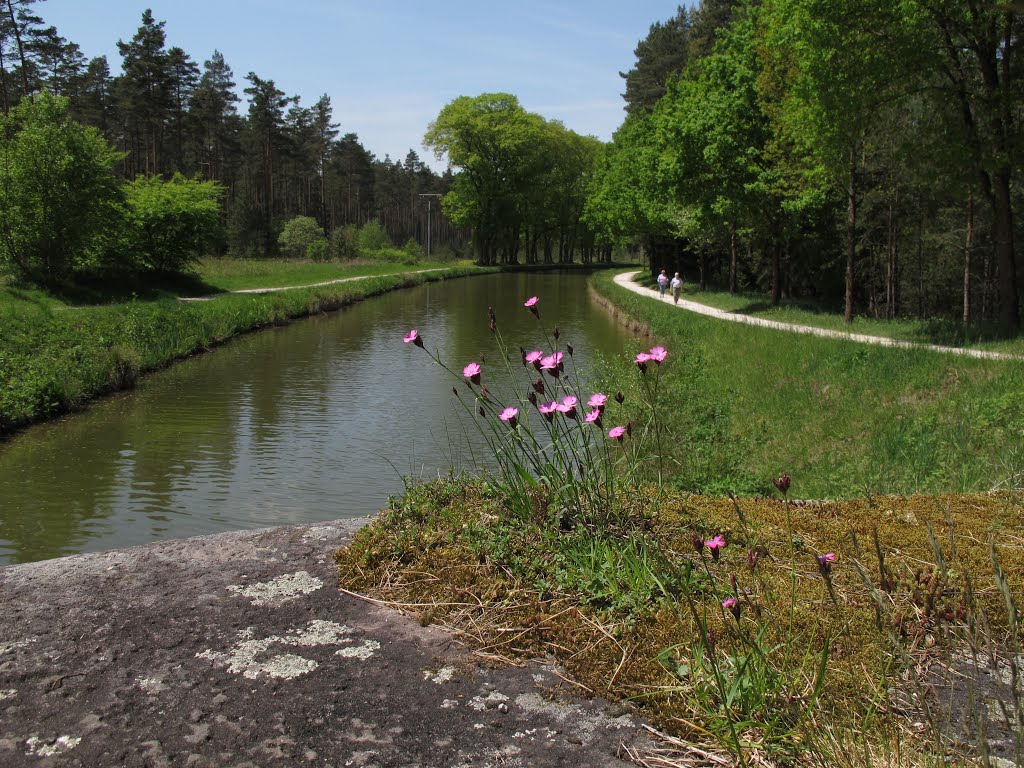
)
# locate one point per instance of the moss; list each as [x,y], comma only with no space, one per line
[509,588]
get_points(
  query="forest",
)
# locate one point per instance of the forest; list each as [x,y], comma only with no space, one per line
[860,157]
[863,154]
[274,158]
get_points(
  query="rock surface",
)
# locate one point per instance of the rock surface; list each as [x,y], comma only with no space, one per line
[239,650]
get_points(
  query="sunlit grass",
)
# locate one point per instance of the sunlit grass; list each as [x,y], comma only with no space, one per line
[846,418]
[56,354]
[240,274]
[942,331]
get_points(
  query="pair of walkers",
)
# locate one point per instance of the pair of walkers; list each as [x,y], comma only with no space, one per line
[675,285]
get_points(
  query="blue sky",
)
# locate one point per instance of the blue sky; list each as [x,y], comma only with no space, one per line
[389,66]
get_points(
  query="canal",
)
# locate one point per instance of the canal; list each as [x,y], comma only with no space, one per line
[317,420]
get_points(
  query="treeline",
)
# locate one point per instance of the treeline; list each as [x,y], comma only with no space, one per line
[277,160]
[522,184]
[864,153]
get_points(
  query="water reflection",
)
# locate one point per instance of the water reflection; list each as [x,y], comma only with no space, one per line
[313,421]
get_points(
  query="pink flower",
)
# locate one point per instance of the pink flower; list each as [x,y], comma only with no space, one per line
[509,415]
[552,364]
[715,545]
[472,372]
[617,433]
[548,410]
[594,417]
[658,354]
[732,605]
[534,358]
[568,406]
[414,337]
[641,361]
[597,400]
[531,304]
[825,562]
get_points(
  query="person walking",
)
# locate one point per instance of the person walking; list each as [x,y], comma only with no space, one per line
[677,287]
[662,284]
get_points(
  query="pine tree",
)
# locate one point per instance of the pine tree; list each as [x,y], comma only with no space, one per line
[143,96]
[659,56]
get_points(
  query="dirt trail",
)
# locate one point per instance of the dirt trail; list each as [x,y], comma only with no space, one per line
[239,650]
[310,285]
[626,281]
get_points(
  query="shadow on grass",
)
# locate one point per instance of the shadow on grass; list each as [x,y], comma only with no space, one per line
[949,332]
[113,288]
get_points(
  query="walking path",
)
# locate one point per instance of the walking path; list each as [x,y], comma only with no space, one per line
[211,296]
[626,280]
[239,650]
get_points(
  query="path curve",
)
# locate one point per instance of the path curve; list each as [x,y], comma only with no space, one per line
[626,280]
[211,296]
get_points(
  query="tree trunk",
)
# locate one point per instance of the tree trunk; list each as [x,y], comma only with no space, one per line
[21,46]
[851,238]
[968,245]
[890,270]
[3,82]
[920,266]
[1009,309]
[776,272]
[732,258]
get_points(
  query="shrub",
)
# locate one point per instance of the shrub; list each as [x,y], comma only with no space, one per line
[58,192]
[299,234]
[345,242]
[413,249]
[372,237]
[171,224]
[318,250]
[392,256]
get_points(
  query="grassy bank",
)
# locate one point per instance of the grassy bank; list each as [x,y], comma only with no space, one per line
[842,418]
[56,353]
[888,650]
[937,330]
[877,630]
[241,274]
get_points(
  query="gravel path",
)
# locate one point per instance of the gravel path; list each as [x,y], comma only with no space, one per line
[310,285]
[626,280]
[239,650]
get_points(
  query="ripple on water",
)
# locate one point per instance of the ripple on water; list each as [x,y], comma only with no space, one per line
[313,421]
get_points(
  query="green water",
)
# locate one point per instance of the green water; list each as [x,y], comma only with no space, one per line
[317,420]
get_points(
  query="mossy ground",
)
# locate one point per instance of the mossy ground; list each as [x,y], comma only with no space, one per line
[624,609]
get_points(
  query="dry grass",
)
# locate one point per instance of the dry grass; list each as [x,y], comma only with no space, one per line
[448,554]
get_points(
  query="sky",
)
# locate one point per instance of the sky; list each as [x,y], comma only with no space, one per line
[389,66]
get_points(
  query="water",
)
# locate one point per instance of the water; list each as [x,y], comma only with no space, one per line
[313,421]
